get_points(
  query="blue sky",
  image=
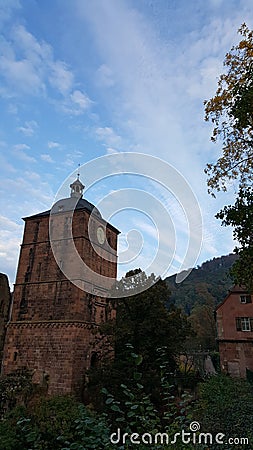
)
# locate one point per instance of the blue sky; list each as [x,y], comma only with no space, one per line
[80,80]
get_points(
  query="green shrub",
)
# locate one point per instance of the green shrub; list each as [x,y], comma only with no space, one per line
[226,406]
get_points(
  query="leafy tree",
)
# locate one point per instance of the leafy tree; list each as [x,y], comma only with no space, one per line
[203,323]
[142,325]
[231,112]
[240,216]
[145,322]
[210,282]
[39,424]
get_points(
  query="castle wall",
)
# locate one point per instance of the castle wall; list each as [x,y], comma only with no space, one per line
[236,357]
[56,352]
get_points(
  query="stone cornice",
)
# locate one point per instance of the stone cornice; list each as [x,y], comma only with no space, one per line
[52,324]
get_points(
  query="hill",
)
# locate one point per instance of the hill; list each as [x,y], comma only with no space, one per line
[209,282]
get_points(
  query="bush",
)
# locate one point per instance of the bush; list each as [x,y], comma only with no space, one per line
[226,406]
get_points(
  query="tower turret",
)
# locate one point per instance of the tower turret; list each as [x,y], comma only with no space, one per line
[77,188]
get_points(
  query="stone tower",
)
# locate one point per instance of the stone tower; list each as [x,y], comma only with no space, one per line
[59,296]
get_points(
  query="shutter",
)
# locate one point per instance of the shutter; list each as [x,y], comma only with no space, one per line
[248,298]
[251,323]
[238,324]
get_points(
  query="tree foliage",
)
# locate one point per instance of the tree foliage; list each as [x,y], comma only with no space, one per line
[231,112]
[240,216]
[226,406]
[203,323]
[143,324]
[209,282]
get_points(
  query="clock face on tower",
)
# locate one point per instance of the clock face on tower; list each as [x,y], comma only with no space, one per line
[100,235]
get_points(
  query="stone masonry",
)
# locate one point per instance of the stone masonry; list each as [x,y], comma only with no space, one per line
[53,323]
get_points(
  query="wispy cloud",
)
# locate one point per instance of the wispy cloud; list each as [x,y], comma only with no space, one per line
[28,66]
[61,77]
[52,144]
[104,76]
[20,153]
[76,103]
[6,9]
[108,136]
[47,158]
[159,85]
[29,128]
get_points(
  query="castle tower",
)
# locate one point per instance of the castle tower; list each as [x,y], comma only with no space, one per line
[57,305]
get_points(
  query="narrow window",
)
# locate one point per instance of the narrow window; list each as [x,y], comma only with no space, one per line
[238,324]
[23,306]
[94,360]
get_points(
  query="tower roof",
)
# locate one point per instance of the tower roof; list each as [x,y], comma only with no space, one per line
[74,202]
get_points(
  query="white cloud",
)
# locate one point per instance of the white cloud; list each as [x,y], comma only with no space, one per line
[61,77]
[108,136]
[7,7]
[19,152]
[47,158]
[28,66]
[111,151]
[37,195]
[21,74]
[52,144]
[29,128]
[80,99]
[104,76]
[34,51]
[6,166]
[21,147]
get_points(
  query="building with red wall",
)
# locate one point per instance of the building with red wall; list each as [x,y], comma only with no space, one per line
[234,318]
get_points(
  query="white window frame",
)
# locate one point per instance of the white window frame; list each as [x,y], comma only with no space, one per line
[245,324]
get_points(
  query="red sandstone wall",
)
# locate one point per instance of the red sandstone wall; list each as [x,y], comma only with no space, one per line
[235,347]
[56,350]
[52,320]
[236,357]
[226,315]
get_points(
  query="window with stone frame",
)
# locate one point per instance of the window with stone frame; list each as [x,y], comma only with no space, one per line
[244,323]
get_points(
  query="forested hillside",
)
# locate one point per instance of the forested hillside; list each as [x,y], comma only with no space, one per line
[208,283]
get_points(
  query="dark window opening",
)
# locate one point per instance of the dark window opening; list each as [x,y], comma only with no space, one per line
[36,232]
[94,360]
[23,306]
[245,298]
